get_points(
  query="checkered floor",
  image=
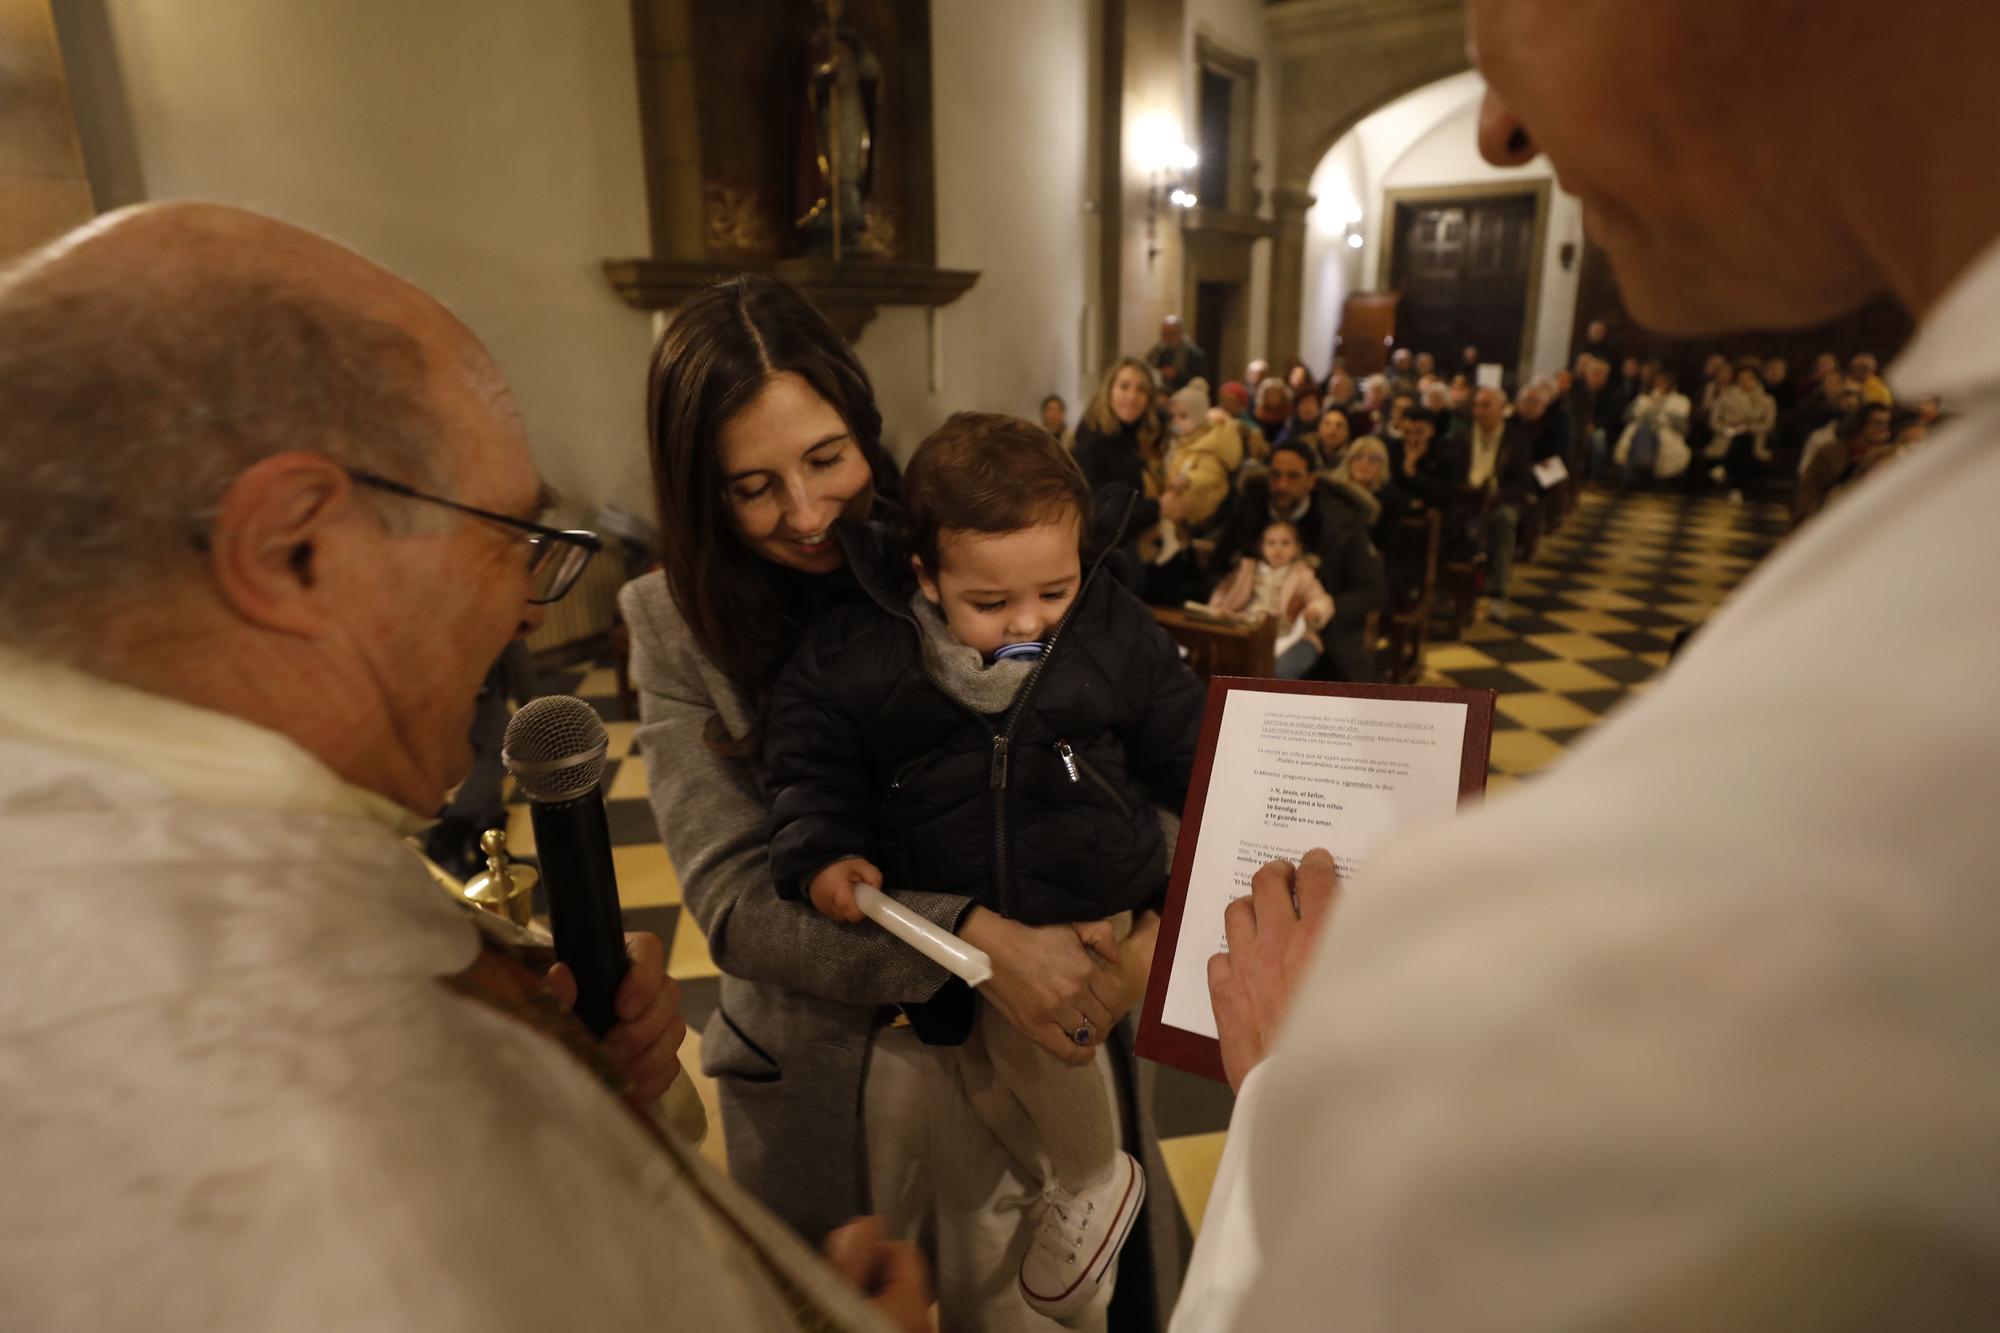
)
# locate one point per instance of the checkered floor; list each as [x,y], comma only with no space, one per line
[1597,612]
[1598,609]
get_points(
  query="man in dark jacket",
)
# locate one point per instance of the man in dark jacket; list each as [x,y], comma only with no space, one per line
[1597,342]
[1596,417]
[1178,360]
[1334,524]
[1492,471]
[1540,428]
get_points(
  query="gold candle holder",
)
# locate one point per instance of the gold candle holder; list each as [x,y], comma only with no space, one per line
[504,888]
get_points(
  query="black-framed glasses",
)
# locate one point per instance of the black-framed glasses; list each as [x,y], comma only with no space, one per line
[556,558]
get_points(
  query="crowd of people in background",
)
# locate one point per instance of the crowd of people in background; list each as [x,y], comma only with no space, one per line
[1293,495]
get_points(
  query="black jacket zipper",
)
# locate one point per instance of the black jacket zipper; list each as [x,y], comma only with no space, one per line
[1003,870]
[1079,768]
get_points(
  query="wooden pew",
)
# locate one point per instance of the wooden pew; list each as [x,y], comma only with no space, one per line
[1222,647]
[1406,622]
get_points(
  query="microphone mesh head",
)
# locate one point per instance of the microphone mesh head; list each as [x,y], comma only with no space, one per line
[555,748]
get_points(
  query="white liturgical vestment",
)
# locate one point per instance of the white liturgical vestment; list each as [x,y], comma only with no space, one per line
[1705,1020]
[235,1095]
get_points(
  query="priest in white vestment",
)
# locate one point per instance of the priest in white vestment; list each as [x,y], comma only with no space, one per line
[1700,1028]
[256,1070]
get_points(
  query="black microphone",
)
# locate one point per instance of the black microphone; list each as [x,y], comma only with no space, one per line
[555,749]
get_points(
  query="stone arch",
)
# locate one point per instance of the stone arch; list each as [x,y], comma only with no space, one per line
[1340,60]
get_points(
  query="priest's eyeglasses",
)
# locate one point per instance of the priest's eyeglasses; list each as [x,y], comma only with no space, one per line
[556,558]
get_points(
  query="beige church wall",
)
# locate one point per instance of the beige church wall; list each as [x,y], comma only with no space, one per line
[1161,102]
[1010,125]
[1238,26]
[487,151]
[1448,156]
[1332,267]
[43,190]
[1012,149]
[1157,108]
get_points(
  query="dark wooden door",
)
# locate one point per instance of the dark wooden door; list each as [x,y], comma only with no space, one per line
[1211,322]
[1367,327]
[1462,266]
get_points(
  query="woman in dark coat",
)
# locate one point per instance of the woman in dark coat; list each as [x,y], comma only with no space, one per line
[1122,438]
[1365,465]
[1121,445]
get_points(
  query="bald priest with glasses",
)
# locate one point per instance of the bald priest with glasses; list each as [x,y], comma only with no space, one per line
[268,515]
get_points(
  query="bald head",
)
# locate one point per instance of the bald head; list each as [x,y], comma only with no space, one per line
[195,399]
[1646,117]
[153,258]
[150,357]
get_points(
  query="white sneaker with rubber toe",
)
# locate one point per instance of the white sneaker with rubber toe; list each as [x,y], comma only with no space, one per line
[1073,1254]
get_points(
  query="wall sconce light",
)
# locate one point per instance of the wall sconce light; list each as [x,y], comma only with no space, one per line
[1170,165]
[1351,227]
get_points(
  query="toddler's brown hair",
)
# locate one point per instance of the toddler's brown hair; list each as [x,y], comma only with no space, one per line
[987,472]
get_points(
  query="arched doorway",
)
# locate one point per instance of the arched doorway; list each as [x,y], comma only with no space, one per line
[1403,202]
[1338,61]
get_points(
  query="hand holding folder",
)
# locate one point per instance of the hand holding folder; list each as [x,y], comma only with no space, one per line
[1290,771]
[1273,935]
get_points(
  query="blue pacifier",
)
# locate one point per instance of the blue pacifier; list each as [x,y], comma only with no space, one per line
[1019,652]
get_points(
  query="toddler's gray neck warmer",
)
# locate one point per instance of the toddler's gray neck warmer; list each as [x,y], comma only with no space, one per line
[964,672]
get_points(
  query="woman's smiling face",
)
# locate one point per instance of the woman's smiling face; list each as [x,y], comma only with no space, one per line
[790,467]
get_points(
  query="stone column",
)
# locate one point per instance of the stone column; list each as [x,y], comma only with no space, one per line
[663,41]
[1288,275]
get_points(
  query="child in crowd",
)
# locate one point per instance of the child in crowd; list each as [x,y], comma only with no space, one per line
[1208,446]
[998,721]
[1055,416]
[1282,585]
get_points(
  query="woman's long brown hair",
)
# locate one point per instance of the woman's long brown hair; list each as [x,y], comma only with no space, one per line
[1100,418]
[716,354]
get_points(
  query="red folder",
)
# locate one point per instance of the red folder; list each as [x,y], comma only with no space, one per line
[1196,1052]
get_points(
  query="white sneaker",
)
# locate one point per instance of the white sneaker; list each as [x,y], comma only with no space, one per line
[1073,1255]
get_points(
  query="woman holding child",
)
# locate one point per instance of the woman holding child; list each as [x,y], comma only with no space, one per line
[1122,441]
[764,436]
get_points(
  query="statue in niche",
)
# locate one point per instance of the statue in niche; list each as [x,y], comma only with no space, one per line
[837,169]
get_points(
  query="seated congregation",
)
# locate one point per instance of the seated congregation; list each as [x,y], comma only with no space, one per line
[1352,520]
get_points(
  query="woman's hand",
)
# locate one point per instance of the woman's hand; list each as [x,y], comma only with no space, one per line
[1131,958]
[1046,983]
